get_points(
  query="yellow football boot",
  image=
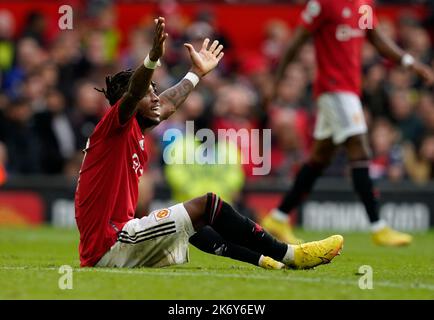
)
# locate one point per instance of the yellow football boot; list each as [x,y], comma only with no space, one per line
[312,254]
[270,263]
[280,229]
[391,238]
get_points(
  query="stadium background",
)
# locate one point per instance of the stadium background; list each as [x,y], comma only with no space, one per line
[48,106]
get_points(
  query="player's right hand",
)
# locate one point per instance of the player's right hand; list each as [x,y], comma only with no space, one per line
[425,72]
[160,37]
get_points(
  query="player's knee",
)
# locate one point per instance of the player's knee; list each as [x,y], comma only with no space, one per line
[358,149]
[201,202]
[210,199]
[196,209]
[358,152]
[213,205]
[319,162]
[204,202]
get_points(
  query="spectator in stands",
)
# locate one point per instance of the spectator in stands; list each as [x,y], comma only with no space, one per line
[276,38]
[87,111]
[139,41]
[28,57]
[419,45]
[234,110]
[387,160]
[3,163]
[289,145]
[70,61]
[408,123]
[106,25]
[35,28]
[34,89]
[20,139]
[426,110]
[374,95]
[420,164]
[190,180]
[291,89]
[56,134]
[7,45]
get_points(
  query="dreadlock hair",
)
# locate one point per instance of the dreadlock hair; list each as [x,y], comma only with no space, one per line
[116,86]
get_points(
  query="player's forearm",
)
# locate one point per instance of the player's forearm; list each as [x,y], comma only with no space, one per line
[288,57]
[138,87]
[385,46]
[140,82]
[300,37]
[141,78]
[389,49]
[174,97]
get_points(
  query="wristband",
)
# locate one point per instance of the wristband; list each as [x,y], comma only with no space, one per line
[407,60]
[193,78]
[148,63]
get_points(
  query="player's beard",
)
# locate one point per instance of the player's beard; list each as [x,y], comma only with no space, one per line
[145,122]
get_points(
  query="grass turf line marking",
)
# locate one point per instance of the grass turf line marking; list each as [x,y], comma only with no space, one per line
[180,273]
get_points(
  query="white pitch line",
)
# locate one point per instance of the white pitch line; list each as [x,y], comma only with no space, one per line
[199,273]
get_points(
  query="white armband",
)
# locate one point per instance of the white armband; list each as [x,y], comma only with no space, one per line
[193,78]
[407,60]
[148,63]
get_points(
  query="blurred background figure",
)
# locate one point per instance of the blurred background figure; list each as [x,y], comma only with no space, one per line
[387,160]
[7,44]
[3,162]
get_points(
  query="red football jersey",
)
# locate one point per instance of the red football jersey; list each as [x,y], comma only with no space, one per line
[338,28]
[107,190]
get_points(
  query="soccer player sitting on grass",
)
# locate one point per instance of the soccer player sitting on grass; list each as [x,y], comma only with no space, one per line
[107,189]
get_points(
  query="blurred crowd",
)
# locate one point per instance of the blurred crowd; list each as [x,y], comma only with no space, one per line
[49,107]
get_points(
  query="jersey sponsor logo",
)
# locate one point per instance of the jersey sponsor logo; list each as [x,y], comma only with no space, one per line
[313,9]
[161,214]
[344,32]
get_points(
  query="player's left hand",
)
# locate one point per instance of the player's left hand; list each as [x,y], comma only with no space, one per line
[207,58]
[425,72]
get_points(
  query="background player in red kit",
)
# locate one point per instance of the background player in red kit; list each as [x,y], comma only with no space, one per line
[107,190]
[338,29]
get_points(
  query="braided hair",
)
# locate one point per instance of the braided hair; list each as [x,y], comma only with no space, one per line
[116,86]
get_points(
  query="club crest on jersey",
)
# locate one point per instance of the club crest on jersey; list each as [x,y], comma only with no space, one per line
[142,144]
[161,214]
[313,9]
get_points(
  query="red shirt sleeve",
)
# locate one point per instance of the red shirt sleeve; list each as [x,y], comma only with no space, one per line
[313,15]
[374,14]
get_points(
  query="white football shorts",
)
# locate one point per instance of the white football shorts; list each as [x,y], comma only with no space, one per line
[157,240]
[340,116]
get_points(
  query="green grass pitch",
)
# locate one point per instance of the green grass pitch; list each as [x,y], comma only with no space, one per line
[30,258]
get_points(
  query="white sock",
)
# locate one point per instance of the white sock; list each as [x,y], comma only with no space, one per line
[378,225]
[279,215]
[289,255]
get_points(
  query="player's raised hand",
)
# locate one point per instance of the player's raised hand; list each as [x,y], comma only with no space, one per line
[207,58]
[425,72]
[160,37]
